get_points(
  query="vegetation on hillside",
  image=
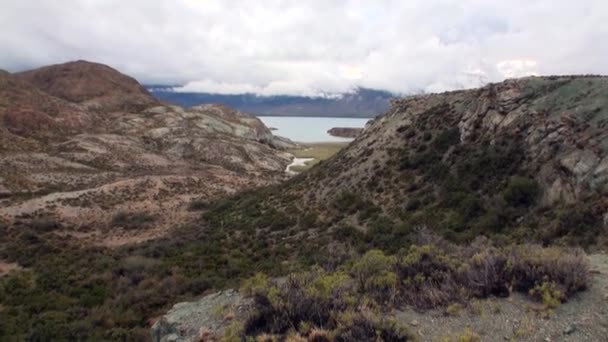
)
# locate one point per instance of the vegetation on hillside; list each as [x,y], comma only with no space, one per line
[353,301]
[363,231]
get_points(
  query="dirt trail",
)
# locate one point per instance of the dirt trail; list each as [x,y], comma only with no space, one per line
[583,318]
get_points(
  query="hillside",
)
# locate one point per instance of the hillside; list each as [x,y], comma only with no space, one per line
[428,209]
[522,160]
[26,112]
[362,102]
[449,202]
[96,86]
[82,142]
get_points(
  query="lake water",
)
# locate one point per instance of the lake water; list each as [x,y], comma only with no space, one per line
[310,129]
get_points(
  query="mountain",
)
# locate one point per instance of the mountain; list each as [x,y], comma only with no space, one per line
[362,102]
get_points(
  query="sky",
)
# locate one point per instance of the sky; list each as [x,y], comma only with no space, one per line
[311,47]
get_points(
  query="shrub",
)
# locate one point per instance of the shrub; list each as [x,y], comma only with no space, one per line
[549,294]
[531,266]
[256,285]
[45,224]
[375,273]
[485,274]
[345,303]
[132,220]
[198,204]
[428,277]
[521,191]
[368,326]
[454,309]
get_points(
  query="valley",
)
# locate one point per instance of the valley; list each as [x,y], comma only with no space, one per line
[461,209]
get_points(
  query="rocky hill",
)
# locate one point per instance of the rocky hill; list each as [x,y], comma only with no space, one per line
[27,112]
[527,156]
[82,142]
[96,86]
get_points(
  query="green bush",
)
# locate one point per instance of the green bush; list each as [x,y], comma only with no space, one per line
[521,192]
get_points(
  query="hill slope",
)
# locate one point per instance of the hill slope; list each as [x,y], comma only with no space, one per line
[81,142]
[526,156]
[94,85]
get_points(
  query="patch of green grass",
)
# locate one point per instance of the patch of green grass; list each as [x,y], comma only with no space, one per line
[318,151]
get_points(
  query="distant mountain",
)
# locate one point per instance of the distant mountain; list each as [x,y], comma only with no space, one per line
[362,102]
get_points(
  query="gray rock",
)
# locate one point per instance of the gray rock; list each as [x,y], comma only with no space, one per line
[186,321]
[569,330]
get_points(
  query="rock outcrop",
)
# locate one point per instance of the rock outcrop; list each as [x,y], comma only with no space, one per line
[345,132]
[201,320]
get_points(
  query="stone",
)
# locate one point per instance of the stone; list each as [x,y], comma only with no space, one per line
[569,330]
[188,321]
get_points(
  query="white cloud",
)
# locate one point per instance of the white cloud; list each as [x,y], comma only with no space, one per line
[310,47]
[517,68]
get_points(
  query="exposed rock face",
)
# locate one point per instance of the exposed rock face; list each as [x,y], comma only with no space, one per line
[80,141]
[200,320]
[562,121]
[345,132]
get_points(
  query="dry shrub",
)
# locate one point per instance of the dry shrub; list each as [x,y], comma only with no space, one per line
[320,335]
[132,220]
[428,277]
[533,265]
[485,273]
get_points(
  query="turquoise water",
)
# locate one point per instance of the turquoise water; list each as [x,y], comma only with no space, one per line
[309,129]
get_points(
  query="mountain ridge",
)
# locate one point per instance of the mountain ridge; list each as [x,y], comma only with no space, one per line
[362,102]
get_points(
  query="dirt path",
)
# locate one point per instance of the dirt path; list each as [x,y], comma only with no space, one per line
[583,318]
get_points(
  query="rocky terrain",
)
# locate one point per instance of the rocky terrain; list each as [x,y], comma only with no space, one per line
[447,160]
[345,132]
[458,210]
[82,142]
[518,161]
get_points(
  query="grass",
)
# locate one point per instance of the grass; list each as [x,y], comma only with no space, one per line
[318,151]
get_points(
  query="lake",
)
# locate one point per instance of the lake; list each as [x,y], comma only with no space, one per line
[310,129]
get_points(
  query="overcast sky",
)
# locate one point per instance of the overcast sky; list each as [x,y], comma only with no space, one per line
[307,47]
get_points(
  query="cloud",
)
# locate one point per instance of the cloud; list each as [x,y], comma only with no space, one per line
[517,68]
[311,47]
